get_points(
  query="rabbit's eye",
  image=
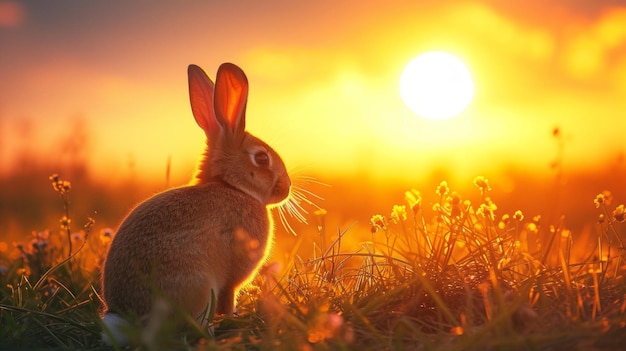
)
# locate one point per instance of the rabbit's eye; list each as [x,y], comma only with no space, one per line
[262,159]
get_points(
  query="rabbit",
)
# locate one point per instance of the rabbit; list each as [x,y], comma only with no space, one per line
[209,236]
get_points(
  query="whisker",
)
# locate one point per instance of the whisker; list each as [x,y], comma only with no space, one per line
[294,208]
[307,192]
[284,222]
[301,196]
[296,204]
[312,180]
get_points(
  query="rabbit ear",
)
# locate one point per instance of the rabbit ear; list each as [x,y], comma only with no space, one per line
[231,96]
[201,90]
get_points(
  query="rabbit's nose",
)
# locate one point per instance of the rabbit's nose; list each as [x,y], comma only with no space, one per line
[281,189]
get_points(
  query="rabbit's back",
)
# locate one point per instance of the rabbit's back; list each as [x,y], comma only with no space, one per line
[185,242]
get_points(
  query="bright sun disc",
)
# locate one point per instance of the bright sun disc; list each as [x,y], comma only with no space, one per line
[436,85]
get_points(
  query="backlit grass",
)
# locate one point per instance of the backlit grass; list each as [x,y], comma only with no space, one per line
[451,275]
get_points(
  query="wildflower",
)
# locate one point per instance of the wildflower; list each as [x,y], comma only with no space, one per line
[378,222]
[455,204]
[43,235]
[619,213]
[505,218]
[601,218]
[78,236]
[90,223]
[518,216]
[321,212]
[482,184]
[59,185]
[398,213]
[604,197]
[106,235]
[38,245]
[414,199]
[65,222]
[504,221]
[442,189]
[487,209]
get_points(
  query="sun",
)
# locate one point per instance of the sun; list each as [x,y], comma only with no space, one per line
[436,85]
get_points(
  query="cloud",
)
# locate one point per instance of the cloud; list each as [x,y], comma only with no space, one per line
[532,42]
[596,48]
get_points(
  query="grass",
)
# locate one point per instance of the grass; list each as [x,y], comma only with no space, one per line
[456,276]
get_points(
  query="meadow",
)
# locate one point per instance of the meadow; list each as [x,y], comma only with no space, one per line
[433,268]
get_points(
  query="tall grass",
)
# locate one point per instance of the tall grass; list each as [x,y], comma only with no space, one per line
[455,275]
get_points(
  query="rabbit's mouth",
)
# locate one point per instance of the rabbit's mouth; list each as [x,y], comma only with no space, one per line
[280,191]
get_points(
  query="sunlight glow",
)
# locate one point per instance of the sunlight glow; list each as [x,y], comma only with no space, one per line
[436,85]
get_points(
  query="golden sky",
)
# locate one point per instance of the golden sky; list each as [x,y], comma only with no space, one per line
[323,82]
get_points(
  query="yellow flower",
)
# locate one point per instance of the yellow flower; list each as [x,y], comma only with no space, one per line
[504,221]
[505,218]
[455,204]
[398,213]
[90,223]
[414,199]
[483,184]
[60,185]
[442,189]
[519,216]
[378,222]
[619,213]
[65,222]
[604,197]
[321,212]
[487,209]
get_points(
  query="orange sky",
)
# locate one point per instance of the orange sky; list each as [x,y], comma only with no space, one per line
[323,81]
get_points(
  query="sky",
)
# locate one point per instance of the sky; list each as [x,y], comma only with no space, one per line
[323,82]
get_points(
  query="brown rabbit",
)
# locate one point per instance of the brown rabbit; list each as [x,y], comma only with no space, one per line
[211,235]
